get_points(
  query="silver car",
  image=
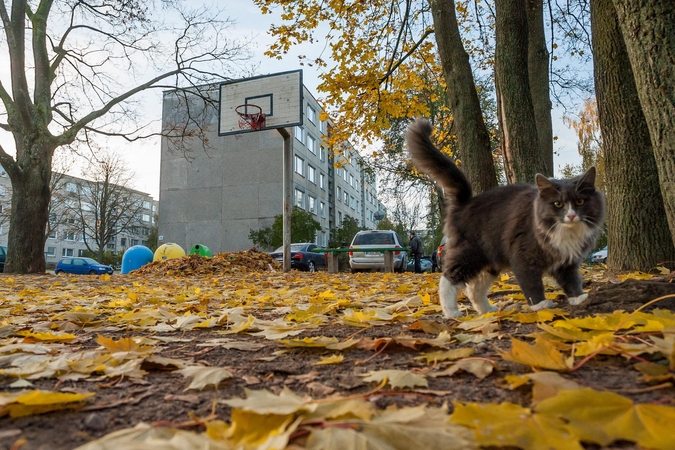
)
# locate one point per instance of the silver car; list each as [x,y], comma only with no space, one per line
[365,260]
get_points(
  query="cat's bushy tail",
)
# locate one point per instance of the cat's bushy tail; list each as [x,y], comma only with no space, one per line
[429,160]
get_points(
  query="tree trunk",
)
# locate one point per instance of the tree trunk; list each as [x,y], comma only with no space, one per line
[648,29]
[519,132]
[30,212]
[538,67]
[473,139]
[638,236]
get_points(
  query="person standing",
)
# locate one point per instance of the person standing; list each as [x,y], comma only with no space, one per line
[416,251]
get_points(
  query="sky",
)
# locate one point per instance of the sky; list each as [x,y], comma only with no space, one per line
[143,158]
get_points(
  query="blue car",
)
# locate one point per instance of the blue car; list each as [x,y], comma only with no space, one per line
[82,266]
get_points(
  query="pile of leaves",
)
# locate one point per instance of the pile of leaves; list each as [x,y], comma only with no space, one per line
[263,360]
[221,263]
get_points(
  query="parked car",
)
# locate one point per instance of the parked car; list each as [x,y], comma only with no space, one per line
[82,266]
[365,260]
[304,256]
[439,254]
[425,263]
[599,256]
[3,256]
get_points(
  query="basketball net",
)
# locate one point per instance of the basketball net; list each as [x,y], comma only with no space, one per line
[251,117]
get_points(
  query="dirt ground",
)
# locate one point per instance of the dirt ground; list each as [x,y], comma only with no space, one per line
[160,396]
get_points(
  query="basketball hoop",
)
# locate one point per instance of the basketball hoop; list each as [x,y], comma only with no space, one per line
[251,117]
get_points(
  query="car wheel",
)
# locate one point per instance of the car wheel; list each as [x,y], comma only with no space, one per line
[604,261]
[58,272]
[311,267]
[92,272]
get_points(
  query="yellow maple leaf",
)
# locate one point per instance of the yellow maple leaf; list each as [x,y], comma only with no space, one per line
[332,359]
[542,354]
[127,344]
[319,341]
[445,355]
[265,402]
[510,425]
[396,378]
[28,403]
[603,417]
[46,336]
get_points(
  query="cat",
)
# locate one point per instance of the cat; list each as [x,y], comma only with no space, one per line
[531,229]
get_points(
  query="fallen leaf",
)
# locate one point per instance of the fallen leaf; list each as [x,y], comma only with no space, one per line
[510,425]
[332,359]
[204,376]
[396,378]
[542,354]
[604,417]
[445,355]
[28,403]
[265,402]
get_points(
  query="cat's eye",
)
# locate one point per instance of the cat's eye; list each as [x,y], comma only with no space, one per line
[579,201]
[558,204]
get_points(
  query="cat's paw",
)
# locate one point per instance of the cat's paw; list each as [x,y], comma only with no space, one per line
[489,308]
[452,313]
[545,304]
[578,301]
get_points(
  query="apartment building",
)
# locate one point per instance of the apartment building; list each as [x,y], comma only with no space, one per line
[71,202]
[216,197]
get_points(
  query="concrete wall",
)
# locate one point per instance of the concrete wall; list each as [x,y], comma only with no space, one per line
[215,197]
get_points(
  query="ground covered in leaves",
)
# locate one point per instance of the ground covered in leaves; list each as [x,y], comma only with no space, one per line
[230,352]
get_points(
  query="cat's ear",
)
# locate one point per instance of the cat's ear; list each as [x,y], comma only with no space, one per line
[587,179]
[545,185]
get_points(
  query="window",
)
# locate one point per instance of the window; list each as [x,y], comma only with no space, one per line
[322,126]
[134,242]
[297,132]
[345,175]
[51,251]
[352,202]
[299,199]
[66,252]
[322,181]
[311,174]
[323,239]
[311,204]
[339,194]
[146,204]
[351,180]
[123,242]
[322,209]
[311,143]
[80,252]
[71,187]
[311,114]
[299,165]
[52,234]
[339,218]
[322,153]
[146,217]
[70,236]
[3,191]
[346,198]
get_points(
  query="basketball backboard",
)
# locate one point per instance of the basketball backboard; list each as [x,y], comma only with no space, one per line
[279,95]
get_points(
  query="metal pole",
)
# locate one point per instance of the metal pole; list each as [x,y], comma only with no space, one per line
[288,196]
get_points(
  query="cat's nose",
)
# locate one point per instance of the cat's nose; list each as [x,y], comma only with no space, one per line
[571,217]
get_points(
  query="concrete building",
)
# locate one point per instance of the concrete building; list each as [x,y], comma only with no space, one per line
[216,197]
[65,237]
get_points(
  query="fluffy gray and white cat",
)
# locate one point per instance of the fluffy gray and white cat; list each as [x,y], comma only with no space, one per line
[533,230]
